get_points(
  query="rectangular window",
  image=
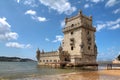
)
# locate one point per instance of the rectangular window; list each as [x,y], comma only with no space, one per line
[50,60]
[72,48]
[43,60]
[71,33]
[88,47]
[55,60]
[46,60]
[72,39]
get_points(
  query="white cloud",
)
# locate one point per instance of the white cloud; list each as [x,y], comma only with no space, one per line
[11,35]
[31,3]
[38,18]
[116,11]
[18,1]
[111,3]
[86,5]
[100,26]
[61,6]
[41,19]
[34,16]
[109,25]
[17,45]
[46,39]
[5,30]
[96,1]
[115,27]
[30,12]
[59,38]
[63,23]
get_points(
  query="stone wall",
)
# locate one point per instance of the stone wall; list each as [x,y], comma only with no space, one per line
[79,38]
[49,57]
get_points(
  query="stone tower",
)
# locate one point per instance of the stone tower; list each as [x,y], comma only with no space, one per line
[79,39]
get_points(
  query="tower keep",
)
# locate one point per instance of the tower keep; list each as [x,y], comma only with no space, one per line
[78,45]
[79,38]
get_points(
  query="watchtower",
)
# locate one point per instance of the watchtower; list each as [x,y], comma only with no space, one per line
[79,38]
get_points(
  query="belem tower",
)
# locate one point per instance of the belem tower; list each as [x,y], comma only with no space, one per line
[78,45]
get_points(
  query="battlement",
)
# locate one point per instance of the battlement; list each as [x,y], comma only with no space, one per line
[79,15]
[78,21]
[76,26]
[52,53]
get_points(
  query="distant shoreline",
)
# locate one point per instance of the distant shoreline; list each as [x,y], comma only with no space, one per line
[15,59]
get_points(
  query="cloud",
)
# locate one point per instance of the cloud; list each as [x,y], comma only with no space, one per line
[59,38]
[34,16]
[63,23]
[6,35]
[46,39]
[86,5]
[116,11]
[112,25]
[96,1]
[5,31]
[18,1]
[61,6]
[31,3]
[41,19]
[30,12]
[17,45]
[111,3]
[100,26]
[115,27]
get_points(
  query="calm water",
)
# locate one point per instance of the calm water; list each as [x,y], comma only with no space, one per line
[30,71]
[14,70]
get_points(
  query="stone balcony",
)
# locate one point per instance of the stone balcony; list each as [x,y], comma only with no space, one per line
[71,28]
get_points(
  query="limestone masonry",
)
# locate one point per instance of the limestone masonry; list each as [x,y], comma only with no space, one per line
[78,45]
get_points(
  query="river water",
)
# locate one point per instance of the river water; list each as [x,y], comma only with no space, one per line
[30,71]
[13,70]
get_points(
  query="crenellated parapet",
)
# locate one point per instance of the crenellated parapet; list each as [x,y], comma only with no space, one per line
[48,54]
[78,21]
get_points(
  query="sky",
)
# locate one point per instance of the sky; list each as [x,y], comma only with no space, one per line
[26,25]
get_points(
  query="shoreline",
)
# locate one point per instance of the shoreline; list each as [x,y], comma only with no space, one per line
[88,75]
[114,72]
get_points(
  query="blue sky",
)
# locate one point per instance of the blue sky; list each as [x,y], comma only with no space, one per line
[26,25]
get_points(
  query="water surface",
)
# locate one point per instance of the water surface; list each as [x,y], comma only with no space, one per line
[30,71]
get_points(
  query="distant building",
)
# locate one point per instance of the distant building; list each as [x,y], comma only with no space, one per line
[78,44]
[117,60]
